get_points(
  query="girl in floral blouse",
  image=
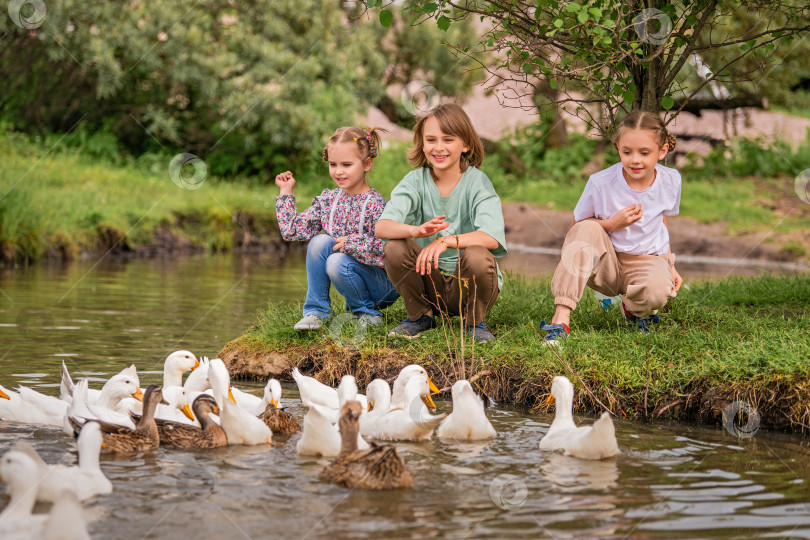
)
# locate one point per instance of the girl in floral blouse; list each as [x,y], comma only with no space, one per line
[348,255]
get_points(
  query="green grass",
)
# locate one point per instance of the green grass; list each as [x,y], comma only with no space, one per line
[65,198]
[740,338]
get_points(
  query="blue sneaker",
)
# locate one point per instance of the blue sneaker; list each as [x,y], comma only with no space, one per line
[480,333]
[412,329]
[643,323]
[555,333]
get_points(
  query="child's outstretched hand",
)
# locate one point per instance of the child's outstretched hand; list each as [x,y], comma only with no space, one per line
[429,228]
[626,216]
[285,182]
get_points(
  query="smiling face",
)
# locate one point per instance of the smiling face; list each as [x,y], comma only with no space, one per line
[442,150]
[348,168]
[639,152]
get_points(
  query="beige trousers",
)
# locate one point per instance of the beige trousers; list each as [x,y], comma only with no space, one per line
[588,258]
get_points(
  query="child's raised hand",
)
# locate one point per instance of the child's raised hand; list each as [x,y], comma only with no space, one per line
[626,216]
[429,228]
[429,256]
[285,182]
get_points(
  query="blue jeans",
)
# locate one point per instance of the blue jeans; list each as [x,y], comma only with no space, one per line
[366,288]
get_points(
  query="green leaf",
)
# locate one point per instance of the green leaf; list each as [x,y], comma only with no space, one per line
[573,7]
[558,22]
[629,96]
[667,102]
[429,7]
[527,68]
[582,17]
[443,23]
[607,40]
[691,20]
[596,12]
[386,18]
[552,83]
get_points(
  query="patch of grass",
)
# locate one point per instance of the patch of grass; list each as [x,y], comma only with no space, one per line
[741,338]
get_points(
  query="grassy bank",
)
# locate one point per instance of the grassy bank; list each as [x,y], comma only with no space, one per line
[739,339]
[60,202]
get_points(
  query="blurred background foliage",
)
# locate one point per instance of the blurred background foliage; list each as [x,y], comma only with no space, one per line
[249,86]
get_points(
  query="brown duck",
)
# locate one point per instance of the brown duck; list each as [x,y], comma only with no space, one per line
[379,467]
[124,440]
[187,436]
[279,421]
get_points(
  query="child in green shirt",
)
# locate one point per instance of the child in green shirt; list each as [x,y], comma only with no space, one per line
[444,228]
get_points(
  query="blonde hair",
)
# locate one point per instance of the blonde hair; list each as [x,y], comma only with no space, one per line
[649,121]
[453,121]
[367,140]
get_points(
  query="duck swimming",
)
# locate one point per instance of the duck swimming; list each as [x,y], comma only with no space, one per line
[588,442]
[379,467]
[467,422]
[211,435]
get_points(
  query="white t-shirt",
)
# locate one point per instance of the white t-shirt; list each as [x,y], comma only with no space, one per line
[607,192]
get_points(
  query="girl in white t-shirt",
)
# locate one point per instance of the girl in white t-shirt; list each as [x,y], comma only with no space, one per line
[619,244]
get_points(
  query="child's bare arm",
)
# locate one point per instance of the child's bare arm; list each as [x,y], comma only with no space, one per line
[392,230]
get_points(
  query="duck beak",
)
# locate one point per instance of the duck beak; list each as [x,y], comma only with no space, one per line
[187,411]
[433,387]
[164,402]
[550,398]
[4,395]
[216,410]
[427,400]
[196,365]
[370,406]
[274,403]
[138,395]
[230,396]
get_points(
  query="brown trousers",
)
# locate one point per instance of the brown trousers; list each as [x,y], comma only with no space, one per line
[476,291]
[588,258]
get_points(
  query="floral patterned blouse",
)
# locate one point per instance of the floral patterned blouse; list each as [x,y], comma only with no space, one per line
[339,214]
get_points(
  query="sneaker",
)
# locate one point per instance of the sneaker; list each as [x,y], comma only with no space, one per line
[367,319]
[555,333]
[411,329]
[309,322]
[480,333]
[643,323]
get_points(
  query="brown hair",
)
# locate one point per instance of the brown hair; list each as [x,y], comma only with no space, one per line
[453,121]
[367,140]
[646,120]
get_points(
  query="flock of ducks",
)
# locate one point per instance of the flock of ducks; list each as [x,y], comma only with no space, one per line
[205,411]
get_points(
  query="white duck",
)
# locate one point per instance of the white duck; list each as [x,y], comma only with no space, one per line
[240,426]
[587,442]
[255,404]
[67,387]
[379,402]
[314,391]
[398,398]
[467,422]
[30,407]
[18,523]
[318,436]
[84,481]
[411,423]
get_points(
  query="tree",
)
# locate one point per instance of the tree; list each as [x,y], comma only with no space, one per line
[607,57]
[246,86]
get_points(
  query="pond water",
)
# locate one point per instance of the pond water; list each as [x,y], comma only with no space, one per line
[671,480]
